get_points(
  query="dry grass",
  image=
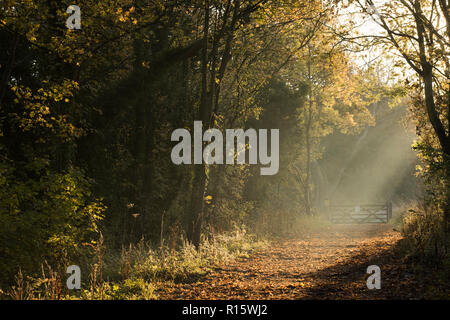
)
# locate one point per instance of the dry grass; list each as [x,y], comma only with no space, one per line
[137,271]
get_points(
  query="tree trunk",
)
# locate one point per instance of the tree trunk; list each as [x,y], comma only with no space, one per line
[209,96]
[308,116]
[197,205]
[199,182]
[442,136]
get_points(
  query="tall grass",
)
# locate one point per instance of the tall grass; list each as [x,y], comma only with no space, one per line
[422,226]
[135,271]
[426,246]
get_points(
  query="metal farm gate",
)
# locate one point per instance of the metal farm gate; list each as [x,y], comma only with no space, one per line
[370,213]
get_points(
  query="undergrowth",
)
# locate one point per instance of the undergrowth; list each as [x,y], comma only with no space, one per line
[425,246]
[135,272]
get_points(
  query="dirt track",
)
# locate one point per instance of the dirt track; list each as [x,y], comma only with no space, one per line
[327,265]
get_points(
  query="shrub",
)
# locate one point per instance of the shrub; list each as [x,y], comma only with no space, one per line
[424,235]
[43,216]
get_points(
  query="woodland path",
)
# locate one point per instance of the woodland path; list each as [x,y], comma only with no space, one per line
[330,264]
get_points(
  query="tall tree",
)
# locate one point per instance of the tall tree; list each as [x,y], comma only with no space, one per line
[419,31]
